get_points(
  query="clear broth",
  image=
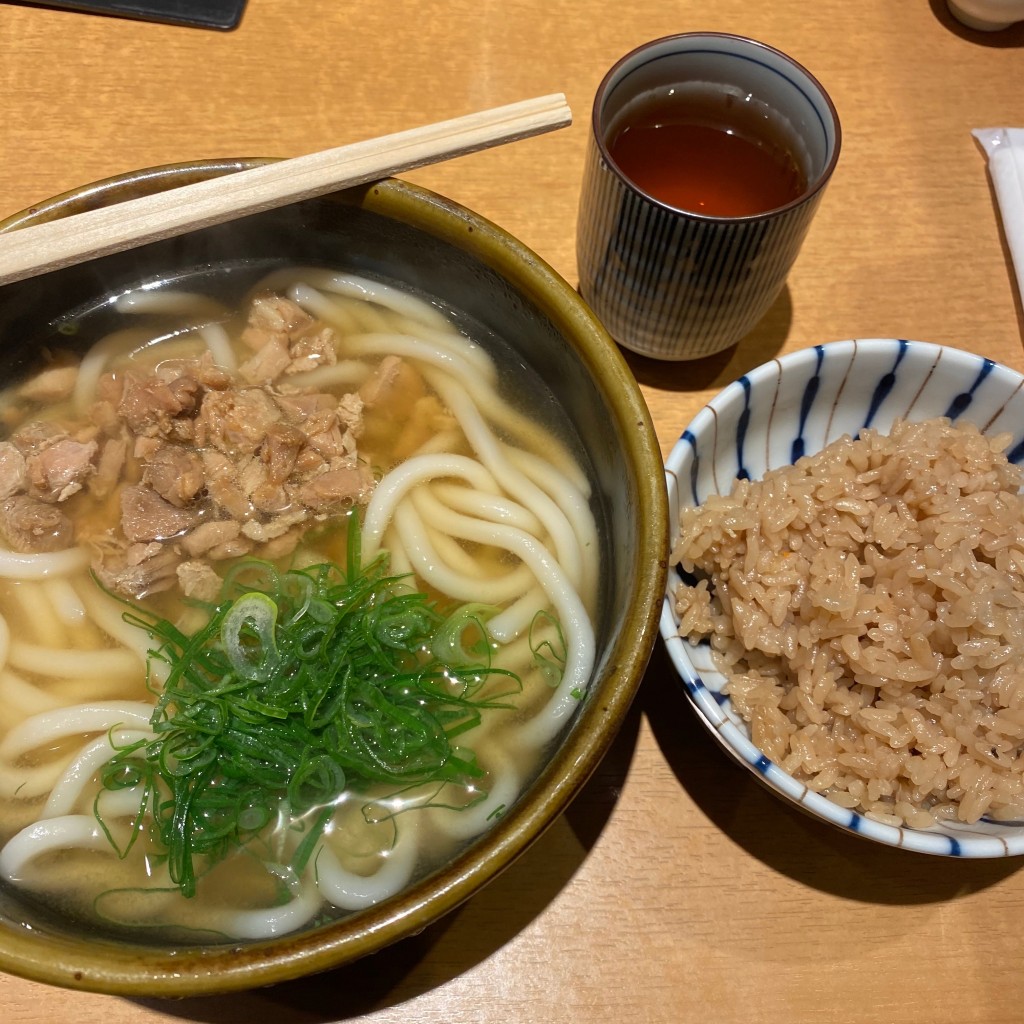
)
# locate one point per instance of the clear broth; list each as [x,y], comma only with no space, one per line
[55,875]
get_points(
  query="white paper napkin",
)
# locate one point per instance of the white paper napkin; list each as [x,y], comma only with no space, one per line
[1005,150]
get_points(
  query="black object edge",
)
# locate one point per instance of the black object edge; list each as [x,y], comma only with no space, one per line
[219,14]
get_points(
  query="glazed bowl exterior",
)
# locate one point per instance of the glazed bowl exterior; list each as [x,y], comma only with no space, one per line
[796,405]
[407,235]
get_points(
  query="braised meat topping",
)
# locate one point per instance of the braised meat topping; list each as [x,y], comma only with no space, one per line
[199,465]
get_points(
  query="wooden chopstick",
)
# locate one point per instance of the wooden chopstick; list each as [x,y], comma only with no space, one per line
[38,249]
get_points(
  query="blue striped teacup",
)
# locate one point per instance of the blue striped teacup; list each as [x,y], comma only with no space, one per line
[675,284]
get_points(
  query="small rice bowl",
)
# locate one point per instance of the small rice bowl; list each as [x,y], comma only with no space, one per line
[846,594]
[867,607]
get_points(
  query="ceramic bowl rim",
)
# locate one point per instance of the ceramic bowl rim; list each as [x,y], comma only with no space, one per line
[145,971]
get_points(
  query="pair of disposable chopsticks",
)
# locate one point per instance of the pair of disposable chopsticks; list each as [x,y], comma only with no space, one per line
[38,249]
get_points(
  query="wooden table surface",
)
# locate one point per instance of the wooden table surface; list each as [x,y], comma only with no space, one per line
[675,889]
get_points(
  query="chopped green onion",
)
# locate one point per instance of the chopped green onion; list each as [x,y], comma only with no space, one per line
[249,639]
[301,685]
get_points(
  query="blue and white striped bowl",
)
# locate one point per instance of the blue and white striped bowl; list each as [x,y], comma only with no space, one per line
[796,405]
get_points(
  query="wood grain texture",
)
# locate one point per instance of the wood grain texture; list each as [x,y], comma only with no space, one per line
[67,241]
[675,889]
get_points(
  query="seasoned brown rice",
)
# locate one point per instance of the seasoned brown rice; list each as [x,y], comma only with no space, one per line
[867,608]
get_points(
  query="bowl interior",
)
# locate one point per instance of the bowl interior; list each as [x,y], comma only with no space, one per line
[410,236]
[797,405]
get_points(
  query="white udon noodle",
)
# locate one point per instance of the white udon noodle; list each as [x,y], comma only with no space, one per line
[522,496]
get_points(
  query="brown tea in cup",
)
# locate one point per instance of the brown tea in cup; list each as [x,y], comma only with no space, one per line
[708,156]
[707,150]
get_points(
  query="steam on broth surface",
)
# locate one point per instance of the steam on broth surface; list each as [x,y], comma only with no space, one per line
[293,601]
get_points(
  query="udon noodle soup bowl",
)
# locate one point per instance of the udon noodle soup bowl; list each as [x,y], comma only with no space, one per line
[500,451]
[770,418]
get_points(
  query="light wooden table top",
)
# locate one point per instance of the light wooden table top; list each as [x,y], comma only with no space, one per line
[675,888]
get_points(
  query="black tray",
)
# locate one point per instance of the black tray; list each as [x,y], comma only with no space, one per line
[222,14]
